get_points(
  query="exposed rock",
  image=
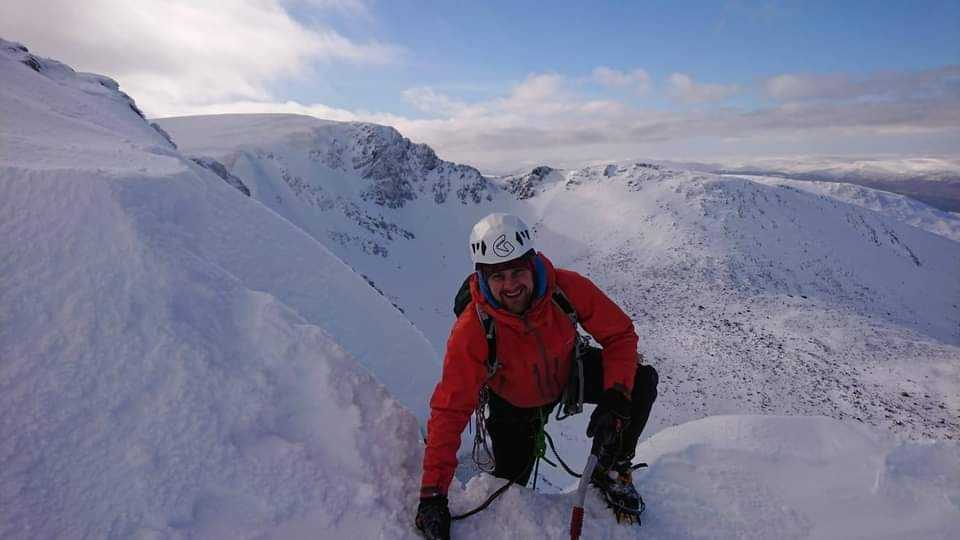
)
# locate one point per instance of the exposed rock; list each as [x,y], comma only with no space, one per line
[164,134]
[401,170]
[527,186]
[218,169]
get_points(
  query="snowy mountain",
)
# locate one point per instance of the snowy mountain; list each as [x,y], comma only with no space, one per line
[935,181]
[730,280]
[389,208]
[215,328]
[761,297]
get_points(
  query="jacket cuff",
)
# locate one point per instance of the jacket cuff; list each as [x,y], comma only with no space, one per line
[430,491]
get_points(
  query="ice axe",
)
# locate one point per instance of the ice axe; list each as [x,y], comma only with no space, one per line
[576,517]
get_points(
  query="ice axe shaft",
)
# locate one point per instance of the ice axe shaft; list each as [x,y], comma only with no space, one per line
[576,517]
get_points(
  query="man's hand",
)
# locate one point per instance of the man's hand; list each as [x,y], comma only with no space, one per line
[433,518]
[609,418]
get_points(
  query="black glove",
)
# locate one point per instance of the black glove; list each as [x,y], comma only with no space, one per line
[609,418]
[433,518]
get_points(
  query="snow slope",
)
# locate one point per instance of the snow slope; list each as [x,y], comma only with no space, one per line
[175,359]
[764,298]
[899,207]
[756,477]
[180,360]
[91,146]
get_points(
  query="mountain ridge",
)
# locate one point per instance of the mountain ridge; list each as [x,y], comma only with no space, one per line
[676,247]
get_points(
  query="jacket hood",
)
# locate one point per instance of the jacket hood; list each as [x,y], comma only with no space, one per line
[544,283]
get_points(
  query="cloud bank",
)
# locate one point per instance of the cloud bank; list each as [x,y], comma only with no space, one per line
[544,120]
[177,54]
[182,57]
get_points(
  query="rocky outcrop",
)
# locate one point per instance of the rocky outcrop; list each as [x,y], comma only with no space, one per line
[400,170]
[218,169]
[527,186]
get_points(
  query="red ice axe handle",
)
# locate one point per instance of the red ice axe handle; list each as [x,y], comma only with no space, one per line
[576,517]
[576,523]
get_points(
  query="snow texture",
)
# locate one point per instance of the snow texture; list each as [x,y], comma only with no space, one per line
[177,360]
[180,360]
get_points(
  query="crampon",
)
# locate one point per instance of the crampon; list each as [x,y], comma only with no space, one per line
[616,487]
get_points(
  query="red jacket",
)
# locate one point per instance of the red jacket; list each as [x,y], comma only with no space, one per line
[535,352]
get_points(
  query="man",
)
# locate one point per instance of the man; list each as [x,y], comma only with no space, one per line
[535,348]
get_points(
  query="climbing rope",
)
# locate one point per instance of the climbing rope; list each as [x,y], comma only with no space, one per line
[482,455]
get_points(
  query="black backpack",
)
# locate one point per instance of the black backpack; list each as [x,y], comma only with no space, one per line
[573,394]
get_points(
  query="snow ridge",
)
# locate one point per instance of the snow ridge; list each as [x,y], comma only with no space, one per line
[175,359]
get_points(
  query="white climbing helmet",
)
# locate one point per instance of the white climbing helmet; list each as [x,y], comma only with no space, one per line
[499,238]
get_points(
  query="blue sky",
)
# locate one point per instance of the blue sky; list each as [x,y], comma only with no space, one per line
[477,49]
[498,83]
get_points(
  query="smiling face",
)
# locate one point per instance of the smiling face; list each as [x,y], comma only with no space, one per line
[512,288]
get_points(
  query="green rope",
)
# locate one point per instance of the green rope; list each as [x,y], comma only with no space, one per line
[540,447]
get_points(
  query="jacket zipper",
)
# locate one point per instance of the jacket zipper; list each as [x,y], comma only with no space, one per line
[543,355]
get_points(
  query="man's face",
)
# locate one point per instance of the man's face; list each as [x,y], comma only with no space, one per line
[512,288]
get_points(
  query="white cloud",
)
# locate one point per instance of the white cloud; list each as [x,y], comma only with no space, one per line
[429,100]
[787,86]
[536,89]
[355,8]
[540,122]
[637,79]
[178,52]
[683,88]
[895,85]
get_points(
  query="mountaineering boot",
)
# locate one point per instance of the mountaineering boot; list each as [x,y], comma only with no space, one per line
[616,486]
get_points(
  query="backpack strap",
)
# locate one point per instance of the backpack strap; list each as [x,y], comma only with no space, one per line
[571,402]
[564,304]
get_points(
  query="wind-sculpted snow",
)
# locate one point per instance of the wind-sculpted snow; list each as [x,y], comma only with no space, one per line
[175,359]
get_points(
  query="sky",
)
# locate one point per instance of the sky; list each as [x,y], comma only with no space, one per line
[507,85]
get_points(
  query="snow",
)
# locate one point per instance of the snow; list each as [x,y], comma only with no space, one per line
[899,207]
[933,180]
[180,360]
[757,477]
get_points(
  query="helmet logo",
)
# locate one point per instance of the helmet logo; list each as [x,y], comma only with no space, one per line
[502,247]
